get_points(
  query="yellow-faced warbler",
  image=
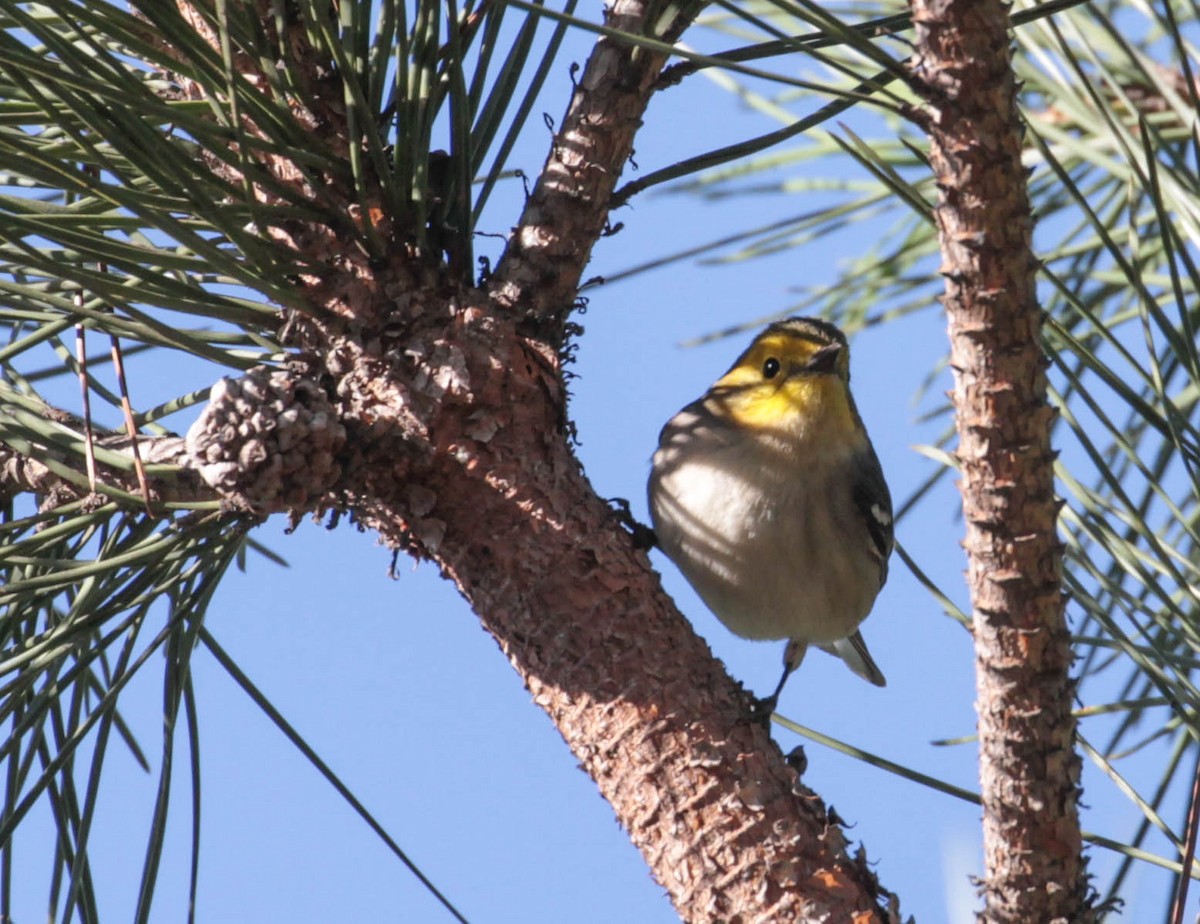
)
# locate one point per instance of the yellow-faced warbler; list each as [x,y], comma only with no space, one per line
[768,496]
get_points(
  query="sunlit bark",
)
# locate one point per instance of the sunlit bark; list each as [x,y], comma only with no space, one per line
[1029,771]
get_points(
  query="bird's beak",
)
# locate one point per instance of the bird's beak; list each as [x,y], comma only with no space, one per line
[824,361]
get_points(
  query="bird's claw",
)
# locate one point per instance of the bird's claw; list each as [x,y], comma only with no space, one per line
[761,709]
[643,536]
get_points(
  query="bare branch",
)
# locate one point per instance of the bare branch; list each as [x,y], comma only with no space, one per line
[1034,866]
[538,276]
[57,477]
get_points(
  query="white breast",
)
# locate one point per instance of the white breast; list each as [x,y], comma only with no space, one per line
[774,547]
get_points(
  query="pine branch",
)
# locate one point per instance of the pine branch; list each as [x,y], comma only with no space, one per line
[433,412]
[1034,865]
[538,277]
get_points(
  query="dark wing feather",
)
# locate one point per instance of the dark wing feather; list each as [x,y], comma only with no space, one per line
[874,504]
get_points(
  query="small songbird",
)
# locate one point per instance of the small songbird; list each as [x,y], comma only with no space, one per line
[768,496]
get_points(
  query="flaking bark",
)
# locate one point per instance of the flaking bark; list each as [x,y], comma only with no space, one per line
[1034,865]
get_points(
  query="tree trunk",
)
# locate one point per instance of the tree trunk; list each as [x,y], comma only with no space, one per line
[1034,866]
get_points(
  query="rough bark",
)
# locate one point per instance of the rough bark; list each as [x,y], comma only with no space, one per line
[568,208]
[650,715]
[449,437]
[1034,865]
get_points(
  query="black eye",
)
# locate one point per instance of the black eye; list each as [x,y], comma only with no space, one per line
[771,368]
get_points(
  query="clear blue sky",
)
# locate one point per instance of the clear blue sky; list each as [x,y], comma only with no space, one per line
[398,688]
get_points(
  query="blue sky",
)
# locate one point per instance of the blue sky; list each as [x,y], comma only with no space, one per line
[397,687]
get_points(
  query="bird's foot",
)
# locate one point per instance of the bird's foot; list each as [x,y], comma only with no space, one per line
[642,535]
[761,709]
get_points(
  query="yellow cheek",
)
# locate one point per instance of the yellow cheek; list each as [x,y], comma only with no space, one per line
[771,408]
[806,407]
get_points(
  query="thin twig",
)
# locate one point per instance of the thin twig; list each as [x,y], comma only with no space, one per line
[122,387]
[1189,849]
[89,449]
[130,427]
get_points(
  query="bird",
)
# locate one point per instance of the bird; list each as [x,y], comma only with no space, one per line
[767,494]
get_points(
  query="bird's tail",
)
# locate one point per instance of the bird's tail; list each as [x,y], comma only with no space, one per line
[853,650]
